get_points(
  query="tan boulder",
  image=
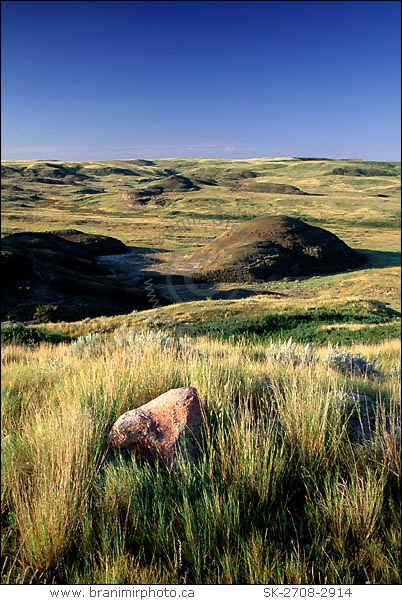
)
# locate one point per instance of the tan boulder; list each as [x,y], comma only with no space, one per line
[163,428]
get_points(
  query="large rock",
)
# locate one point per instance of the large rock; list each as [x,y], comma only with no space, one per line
[363,430]
[363,418]
[163,428]
[357,406]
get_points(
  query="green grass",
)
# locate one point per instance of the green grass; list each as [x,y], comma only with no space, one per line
[23,335]
[300,329]
[306,326]
[295,504]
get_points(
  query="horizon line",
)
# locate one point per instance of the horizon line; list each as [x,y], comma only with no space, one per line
[200,158]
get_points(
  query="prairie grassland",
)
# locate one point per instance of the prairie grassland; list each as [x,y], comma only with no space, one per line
[279,494]
[352,206]
[363,210]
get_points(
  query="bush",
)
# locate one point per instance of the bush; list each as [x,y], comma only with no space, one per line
[20,334]
[93,344]
[131,338]
[348,363]
[88,346]
[289,353]
[45,313]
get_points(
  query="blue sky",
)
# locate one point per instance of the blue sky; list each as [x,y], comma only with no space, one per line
[103,80]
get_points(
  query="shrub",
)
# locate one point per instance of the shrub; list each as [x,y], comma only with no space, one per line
[93,344]
[289,353]
[130,337]
[20,334]
[45,313]
[88,346]
[348,363]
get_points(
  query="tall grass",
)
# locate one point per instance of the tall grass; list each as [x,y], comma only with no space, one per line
[278,494]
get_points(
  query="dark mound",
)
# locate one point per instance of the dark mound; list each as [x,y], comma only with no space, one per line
[310,158]
[59,271]
[53,173]
[11,188]
[47,180]
[272,247]
[72,178]
[177,183]
[46,172]
[104,171]
[173,183]
[143,197]
[90,190]
[273,188]
[93,244]
[370,171]
[142,162]
[9,171]
[208,181]
[238,175]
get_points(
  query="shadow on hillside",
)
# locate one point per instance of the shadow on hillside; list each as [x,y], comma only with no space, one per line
[242,293]
[144,250]
[192,292]
[161,288]
[380,258]
[168,288]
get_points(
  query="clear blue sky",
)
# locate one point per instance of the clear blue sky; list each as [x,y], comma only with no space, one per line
[103,80]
